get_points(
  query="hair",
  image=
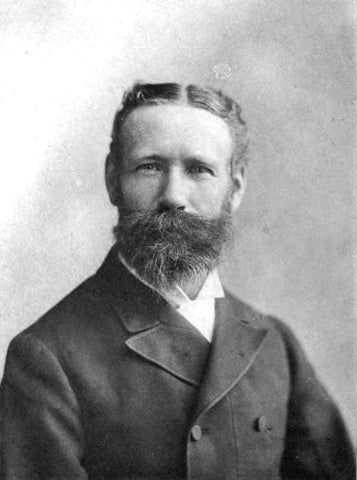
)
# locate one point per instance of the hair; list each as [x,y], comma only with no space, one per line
[206,98]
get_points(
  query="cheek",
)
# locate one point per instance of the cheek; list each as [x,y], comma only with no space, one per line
[137,195]
[212,199]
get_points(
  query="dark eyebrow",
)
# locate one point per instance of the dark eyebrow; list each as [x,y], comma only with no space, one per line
[152,156]
[200,160]
[194,159]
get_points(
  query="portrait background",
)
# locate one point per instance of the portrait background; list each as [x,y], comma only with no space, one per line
[290,66]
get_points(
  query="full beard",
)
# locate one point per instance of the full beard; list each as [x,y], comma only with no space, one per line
[171,246]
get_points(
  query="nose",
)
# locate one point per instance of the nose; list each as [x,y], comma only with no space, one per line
[174,192]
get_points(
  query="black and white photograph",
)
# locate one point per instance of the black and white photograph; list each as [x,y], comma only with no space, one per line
[177,240]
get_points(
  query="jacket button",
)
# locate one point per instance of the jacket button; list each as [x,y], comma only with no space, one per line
[196,433]
[261,424]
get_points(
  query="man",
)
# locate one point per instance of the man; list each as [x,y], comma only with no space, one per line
[149,369]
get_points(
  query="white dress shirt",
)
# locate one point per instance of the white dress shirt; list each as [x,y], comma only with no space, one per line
[200,312]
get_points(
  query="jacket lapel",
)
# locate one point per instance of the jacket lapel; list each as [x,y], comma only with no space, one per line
[173,345]
[235,345]
[163,337]
[158,333]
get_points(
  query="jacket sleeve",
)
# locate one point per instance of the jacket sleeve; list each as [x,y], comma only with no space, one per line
[317,443]
[40,430]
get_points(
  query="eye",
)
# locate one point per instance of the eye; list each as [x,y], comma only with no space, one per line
[201,170]
[148,168]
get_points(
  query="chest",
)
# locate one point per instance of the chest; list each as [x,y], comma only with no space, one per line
[139,416]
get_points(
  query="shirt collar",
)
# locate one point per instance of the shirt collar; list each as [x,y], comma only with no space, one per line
[176,297]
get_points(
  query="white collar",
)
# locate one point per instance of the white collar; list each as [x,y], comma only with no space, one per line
[211,289]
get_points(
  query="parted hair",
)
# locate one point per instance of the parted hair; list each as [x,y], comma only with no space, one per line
[206,98]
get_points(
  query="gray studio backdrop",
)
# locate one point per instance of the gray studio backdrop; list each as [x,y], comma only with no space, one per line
[288,62]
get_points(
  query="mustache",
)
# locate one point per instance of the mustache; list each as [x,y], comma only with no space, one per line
[169,225]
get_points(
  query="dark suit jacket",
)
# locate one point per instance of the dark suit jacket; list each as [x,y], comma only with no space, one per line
[112,383]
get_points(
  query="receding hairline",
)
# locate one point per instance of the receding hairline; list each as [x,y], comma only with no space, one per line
[174,105]
[205,98]
[194,123]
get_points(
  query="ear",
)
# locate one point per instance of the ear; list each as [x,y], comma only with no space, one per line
[111,179]
[239,181]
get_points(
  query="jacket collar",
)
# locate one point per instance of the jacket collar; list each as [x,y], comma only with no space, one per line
[159,334]
[138,306]
[163,337]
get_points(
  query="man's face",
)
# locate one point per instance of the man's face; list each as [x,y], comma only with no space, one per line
[174,192]
[175,157]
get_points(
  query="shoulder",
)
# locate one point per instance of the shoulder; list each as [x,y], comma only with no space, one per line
[279,334]
[82,318]
[257,319]
[80,302]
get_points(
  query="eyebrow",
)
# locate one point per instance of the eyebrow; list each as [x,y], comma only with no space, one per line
[151,156]
[156,156]
[161,158]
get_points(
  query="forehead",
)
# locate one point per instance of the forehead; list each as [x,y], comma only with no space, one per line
[176,128]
